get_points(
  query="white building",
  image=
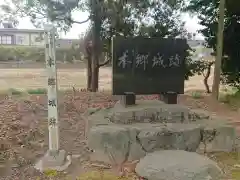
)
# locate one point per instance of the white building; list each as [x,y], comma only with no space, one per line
[29,37]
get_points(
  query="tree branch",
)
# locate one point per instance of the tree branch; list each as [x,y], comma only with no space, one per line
[37,11]
[79,22]
[104,63]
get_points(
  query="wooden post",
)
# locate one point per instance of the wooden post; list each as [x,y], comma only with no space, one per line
[50,56]
[218,61]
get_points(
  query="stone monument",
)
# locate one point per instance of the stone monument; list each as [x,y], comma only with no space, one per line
[150,129]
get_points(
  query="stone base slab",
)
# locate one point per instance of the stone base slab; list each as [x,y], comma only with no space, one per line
[50,161]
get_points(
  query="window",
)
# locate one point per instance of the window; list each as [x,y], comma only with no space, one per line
[39,38]
[6,39]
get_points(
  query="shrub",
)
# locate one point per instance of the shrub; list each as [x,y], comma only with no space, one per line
[8,53]
[37,91]
[197,95]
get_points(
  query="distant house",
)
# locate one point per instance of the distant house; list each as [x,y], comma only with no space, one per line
[29,37]
[196,43]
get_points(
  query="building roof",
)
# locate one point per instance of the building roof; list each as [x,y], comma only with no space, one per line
[21,30]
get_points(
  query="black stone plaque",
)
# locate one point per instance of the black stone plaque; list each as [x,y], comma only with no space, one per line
[148,65]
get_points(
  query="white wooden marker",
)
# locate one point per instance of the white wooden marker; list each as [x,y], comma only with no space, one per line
[50,56]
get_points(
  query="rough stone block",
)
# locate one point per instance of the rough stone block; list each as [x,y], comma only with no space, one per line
[177,165]
[118,143]
[136,151]
[96,119]
[111,144]
[173,136]
[197,114]
[219,137]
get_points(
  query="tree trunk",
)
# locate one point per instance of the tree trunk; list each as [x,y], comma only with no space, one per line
[94,74]
[95,79]
[89,73]
[218,60]
[206,76]
[205,81]
[96,28]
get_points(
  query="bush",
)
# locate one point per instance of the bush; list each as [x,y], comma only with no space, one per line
[37,91]
[231,98]
[197,95]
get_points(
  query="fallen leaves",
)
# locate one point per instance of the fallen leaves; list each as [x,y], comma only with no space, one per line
[23,128]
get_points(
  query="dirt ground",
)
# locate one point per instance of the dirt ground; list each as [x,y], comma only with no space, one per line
[24,133]
[27,78]
[23,119]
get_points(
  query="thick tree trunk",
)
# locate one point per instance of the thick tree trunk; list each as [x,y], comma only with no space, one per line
[94,74]
[89,74]
[95,79]
[96,28]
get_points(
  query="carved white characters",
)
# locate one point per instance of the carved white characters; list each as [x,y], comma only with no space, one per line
[174,61]
[123,60]
[158,61]
[142,60]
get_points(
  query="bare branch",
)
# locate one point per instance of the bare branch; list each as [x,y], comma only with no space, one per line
[78,22]
[104,63]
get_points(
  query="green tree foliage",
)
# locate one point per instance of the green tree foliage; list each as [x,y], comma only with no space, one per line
[118,17]
[207,12]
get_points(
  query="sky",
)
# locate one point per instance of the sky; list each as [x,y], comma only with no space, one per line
[25,23]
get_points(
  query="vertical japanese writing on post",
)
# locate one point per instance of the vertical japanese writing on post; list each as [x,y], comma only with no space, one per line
[52,89]
[51,82]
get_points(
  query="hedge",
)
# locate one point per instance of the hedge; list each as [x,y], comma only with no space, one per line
[8,53]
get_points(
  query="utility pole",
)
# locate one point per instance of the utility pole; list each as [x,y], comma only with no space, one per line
[218,60]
